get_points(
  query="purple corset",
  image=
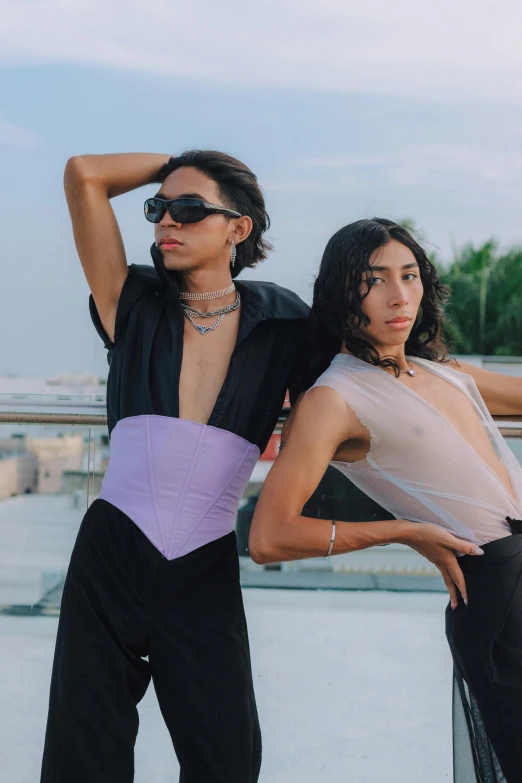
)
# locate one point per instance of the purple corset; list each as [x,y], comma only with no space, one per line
[179,481]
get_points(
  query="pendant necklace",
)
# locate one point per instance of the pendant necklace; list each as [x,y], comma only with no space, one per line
[409,371]
[192,313]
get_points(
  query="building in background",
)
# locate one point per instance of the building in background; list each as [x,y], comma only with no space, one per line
[18,468]
[55,455]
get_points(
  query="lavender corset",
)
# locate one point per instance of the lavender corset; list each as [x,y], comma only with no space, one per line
[179,481]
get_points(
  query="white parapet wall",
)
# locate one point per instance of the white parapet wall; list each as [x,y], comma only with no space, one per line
[391,559]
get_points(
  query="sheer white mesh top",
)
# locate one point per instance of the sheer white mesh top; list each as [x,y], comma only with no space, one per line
[419,466]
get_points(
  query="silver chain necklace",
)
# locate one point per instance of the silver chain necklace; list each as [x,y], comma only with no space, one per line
[192,313]
[209,294]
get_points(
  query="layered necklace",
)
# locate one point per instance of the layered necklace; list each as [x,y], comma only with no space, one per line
[192,313]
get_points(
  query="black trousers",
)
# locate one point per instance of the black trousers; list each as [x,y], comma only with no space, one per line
[486,643]
[123,601]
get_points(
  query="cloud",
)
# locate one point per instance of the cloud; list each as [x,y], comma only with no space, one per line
[293,185]
[13,136]
[448,49]
[440,164]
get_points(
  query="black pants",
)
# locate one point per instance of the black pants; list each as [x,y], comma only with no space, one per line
[122,601]
[486,643]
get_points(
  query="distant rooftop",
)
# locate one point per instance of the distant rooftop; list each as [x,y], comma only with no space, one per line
[84,384]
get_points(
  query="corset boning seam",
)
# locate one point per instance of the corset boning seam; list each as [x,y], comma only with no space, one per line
[180,482]
[214,500]
[152,487]
[181,499]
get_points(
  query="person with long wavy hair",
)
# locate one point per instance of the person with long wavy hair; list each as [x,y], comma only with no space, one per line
[382,402]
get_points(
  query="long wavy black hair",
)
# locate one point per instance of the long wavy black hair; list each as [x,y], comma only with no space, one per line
[344,281]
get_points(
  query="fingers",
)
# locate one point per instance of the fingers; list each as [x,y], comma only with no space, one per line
[464,547]
[467,548]
[450,586]
[440,547]
[433,534]
[454,580]
[456,575]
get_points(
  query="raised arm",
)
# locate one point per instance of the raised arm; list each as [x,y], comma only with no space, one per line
[90,182]
[501,393]
[279,532]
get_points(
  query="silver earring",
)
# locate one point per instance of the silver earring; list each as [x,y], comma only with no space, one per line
[233,253]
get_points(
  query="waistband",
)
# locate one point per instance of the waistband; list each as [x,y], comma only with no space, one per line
[496,551]
[179,481]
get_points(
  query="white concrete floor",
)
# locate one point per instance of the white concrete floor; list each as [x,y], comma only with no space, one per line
[351,687]
[37,533]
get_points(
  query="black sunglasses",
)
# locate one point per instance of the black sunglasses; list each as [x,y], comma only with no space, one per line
[184,210]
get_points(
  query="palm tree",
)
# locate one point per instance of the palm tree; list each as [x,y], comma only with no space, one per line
[484,313]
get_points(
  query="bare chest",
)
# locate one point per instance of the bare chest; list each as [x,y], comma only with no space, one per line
[457,408]
[451,404]
[206,359]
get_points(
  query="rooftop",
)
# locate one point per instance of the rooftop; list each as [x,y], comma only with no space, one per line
[350,686]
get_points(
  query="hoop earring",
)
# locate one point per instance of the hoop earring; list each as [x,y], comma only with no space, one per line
[233,253]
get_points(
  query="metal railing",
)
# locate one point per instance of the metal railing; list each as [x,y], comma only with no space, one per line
[14,410]
[21,409]
[389,570]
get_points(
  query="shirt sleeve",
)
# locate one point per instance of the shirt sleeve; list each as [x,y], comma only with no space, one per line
[133,288]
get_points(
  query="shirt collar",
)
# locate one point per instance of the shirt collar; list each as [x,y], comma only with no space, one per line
[167,279]
[260,301]
[272,301]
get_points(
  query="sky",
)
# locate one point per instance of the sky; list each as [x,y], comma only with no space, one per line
[404,109]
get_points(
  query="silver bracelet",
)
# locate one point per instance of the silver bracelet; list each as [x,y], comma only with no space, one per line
[332,539]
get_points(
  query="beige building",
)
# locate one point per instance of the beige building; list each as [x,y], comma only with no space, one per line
[55,456]
[18,474]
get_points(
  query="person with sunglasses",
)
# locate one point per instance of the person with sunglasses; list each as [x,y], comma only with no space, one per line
[411,428]
[199,368]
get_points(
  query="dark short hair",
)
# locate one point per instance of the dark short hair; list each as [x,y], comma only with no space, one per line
[240,190]
[339,292]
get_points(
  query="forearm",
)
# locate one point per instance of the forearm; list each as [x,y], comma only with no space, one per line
[299,537]
[503,397]
[114,173]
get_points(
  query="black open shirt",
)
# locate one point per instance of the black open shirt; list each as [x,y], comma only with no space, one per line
[145,358]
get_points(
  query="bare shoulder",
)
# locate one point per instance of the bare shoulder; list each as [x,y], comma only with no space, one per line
[321,414]
[480,375]
[487,382]
[465,367]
